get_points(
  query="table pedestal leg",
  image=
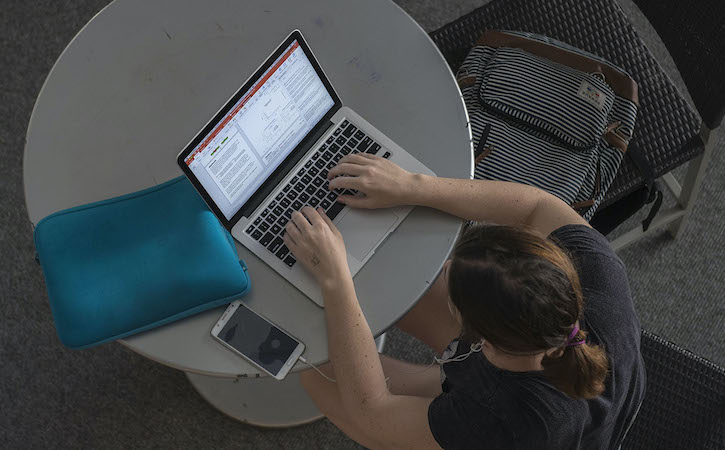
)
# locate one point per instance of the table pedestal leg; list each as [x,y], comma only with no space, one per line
[263,402]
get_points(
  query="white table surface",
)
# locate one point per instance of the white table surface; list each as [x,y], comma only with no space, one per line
[139,81]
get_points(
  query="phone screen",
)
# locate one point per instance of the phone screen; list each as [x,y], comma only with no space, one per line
[258,340]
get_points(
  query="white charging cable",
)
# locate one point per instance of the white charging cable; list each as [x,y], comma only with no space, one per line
[302,358]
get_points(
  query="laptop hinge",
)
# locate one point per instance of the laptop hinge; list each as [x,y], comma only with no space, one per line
[277,177]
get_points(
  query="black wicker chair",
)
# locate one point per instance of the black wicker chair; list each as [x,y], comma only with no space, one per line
[684,407]
[668,133]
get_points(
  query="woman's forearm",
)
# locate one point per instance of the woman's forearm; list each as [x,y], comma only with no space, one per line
[479,200]
[492,201]
[358,371]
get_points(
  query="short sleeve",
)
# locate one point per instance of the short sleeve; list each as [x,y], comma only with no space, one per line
[599,268]
[458,422]
[577,238]
[608,305]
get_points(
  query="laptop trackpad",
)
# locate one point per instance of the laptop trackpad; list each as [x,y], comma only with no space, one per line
[363,229]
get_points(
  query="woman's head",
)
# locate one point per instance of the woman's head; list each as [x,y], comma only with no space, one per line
[521,293]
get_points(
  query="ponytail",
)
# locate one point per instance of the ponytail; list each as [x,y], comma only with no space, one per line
[578,371]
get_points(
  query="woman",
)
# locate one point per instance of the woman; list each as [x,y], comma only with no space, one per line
[533,317]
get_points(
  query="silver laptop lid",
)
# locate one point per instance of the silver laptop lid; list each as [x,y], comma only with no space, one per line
[253,139]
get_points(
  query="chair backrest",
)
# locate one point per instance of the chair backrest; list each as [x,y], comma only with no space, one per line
[694,34]
[684,406]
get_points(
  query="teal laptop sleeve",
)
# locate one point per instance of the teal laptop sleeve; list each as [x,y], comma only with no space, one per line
[128,264]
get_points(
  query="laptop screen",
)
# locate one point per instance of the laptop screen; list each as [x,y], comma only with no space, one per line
[260,130]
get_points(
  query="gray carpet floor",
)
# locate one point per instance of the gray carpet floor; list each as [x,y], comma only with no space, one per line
[110,397]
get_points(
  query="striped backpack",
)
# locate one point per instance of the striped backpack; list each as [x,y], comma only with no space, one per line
[547,114]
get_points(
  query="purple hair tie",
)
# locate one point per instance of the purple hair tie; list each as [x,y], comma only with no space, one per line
[573,333]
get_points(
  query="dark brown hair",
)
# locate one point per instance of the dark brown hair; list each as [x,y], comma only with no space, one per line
[521,293]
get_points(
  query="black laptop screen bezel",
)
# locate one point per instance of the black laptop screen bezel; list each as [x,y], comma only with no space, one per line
[303,145]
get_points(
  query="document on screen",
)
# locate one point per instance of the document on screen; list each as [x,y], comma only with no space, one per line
[233,167]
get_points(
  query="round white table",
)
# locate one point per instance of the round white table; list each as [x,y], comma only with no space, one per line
[141,78]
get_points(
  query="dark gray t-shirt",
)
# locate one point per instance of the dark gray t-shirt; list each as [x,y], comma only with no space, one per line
[483,406]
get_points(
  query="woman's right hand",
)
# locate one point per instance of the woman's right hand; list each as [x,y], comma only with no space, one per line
[383,183]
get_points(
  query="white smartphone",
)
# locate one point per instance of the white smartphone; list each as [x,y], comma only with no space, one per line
[257,339]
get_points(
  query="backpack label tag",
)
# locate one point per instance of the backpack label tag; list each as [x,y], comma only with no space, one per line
[591,95]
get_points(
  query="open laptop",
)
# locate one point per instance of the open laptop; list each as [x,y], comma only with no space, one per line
[267,151]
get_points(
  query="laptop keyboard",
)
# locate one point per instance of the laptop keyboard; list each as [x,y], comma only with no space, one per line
[309,186]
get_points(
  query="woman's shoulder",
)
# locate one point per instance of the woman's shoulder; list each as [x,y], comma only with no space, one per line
[579,238]
[607,297]
[609,314]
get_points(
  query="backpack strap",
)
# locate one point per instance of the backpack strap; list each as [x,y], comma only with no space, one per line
[654,192]
[482,150]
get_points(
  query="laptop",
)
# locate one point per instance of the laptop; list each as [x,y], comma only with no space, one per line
[267,152]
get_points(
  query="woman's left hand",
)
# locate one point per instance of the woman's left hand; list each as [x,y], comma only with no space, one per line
[317,243]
